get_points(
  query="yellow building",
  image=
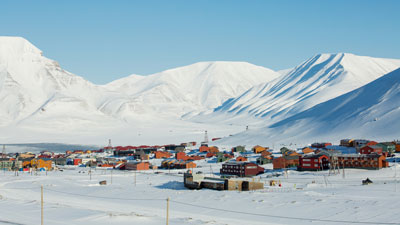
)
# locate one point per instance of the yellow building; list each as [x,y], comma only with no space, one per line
[258,149]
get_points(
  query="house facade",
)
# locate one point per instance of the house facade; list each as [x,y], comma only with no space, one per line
[313,162]
[241,169]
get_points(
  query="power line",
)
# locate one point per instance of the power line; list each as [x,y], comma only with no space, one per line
[280,217]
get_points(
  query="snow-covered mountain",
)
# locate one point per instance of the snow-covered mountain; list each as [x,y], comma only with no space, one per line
[38,97]
[321,78]
[372,112]
[193,88]
[35,91]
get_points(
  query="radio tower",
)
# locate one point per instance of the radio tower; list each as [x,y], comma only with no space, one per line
[205,138]
[109,144]
[4,151]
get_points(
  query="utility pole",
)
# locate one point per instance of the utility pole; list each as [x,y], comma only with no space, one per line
[167,210]
[395,175]
[41,200]
[344,176]
[205,138]
[4,151]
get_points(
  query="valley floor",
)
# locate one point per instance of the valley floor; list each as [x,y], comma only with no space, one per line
[71,197]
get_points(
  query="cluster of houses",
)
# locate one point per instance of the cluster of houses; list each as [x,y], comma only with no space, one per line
[237,162]
[351,153]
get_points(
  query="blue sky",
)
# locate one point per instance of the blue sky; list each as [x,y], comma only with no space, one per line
[106,40]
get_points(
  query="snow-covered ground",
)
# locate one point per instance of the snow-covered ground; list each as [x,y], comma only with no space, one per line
[71,197]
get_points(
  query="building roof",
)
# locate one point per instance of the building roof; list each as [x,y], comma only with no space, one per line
[373,155]
[235,163]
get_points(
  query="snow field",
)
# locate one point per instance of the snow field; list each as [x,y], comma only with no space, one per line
[72,198]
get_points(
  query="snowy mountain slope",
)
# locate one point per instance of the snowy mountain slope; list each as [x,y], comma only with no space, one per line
[41,101]
[372,111]
[193,88]
[33,87]
[317,80]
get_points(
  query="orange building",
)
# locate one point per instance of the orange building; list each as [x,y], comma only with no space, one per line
[137,166]
[285,162]
[213,149]
[397,144]
[181,156]
[307,150]
[265,154]
[241,159]
[258,149]
[38,164]
[184,165]
[162,154]
[204,148]
[371,161]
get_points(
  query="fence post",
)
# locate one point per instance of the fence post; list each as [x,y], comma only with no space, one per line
[41,201]
[167,210]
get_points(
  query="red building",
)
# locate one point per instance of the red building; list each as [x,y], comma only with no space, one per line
[241,169]
[368,149]
[313,162]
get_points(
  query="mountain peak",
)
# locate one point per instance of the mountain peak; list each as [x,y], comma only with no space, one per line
[16,47]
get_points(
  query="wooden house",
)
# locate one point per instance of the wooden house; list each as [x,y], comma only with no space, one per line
[285,162]
[258,149]
[184,165]
[307,150]
[358,143]
[204,148]
[162,155]
[222,157]
[209,155]
[264,160]
[387,147]
[238,149]
[181,156]
[6,164]
[368,149]
[397,145]
[265,153]
[241,159]
[168,163]
[213,149]
[137,166]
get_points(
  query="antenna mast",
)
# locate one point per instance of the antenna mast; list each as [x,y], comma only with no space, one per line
[205,138]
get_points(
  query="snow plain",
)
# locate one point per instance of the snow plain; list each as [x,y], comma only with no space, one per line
[70,197]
